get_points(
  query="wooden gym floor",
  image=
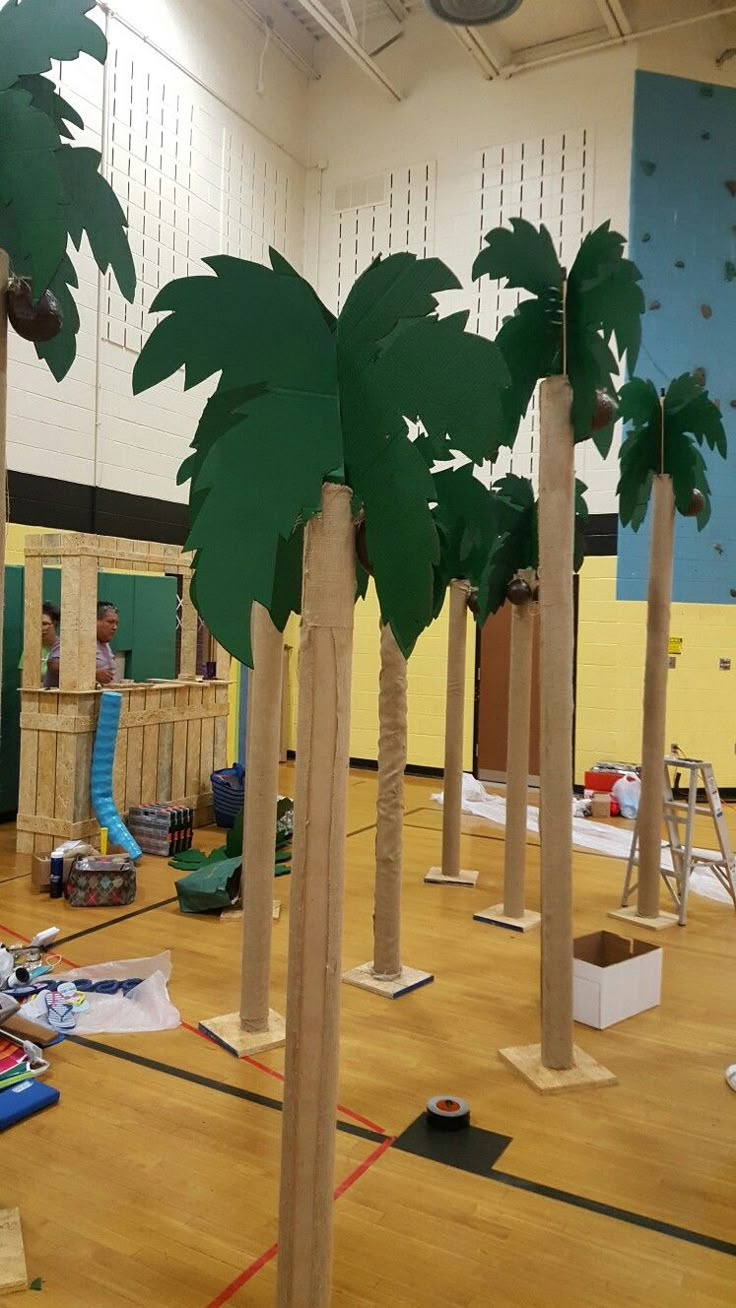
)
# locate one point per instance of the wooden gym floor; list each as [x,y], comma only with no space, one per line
[154,1181]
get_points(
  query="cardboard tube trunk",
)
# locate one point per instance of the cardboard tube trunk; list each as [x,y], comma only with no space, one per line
[259,820]
[389,809]
[315,926]
[655,696]
[556,635]
[517,758]
[450,872]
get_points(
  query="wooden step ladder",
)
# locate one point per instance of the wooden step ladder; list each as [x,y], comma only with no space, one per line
[679,820]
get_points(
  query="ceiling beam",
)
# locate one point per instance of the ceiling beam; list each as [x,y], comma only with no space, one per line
[609,18]
[286,31]
[492,56]
[397,8]
[348,43]
[622,18]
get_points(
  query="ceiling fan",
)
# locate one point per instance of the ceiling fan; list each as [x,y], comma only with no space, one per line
[472,13]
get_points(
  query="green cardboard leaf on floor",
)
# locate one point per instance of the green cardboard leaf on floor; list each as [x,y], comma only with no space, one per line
[51,190]
[304,398]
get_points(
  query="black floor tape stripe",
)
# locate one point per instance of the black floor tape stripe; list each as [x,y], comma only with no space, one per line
[371,826]
[113,921]
[17,876]
[610,1210]
[501,1178]
[195,1078]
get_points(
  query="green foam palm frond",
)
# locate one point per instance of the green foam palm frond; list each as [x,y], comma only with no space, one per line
[51,190]
[666,436]
[302,398]
[602,305]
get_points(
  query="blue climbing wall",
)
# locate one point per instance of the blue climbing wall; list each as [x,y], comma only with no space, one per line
[683,238]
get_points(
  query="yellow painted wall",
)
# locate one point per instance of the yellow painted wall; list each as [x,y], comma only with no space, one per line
[15,537]
[426,688]
[701,699]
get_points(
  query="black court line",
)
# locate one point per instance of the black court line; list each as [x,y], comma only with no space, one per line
[502,1178]
[372,825]
[235,1091]
[618,1214]
[17,876]
[113,921]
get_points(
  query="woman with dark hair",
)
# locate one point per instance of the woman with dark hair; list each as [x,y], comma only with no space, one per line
[107,625]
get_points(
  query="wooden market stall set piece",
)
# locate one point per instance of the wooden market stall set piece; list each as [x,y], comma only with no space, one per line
[172,734]
[53,194]
[560,336]
[334,413]
[661,459]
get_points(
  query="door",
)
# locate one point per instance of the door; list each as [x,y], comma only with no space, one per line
[492,689]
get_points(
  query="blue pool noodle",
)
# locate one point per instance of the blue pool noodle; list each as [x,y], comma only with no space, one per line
[100,777]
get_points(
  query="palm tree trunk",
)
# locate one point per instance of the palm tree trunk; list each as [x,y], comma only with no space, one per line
[556,530]
[315,928]
[452,801]
[655,696]
[259,820]
[3,458]
[517,758]
[389,809]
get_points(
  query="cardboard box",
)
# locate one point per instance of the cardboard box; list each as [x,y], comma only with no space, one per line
[614,978]
[600,806]
[41,866]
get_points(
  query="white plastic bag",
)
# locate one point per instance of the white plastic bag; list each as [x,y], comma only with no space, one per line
[626,792]
[146,1008]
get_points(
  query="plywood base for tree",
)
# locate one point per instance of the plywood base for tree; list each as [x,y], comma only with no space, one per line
[409,978]
[585,1072]
[13,1274]
[462,878]
[634,917]
[229,1032]
[496,916]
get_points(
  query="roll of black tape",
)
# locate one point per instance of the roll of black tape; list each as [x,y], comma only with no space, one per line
[447,1113]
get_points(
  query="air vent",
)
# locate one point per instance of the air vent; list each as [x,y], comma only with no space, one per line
[360,194]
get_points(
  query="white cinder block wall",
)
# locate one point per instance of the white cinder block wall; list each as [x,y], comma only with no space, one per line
[203,163]
[458,156]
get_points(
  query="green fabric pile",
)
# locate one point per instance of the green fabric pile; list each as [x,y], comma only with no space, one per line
[212,882]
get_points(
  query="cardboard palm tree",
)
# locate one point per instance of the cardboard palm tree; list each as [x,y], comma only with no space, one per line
[51,192]
[511,575]
[466,519]
[464,523]
[306,429]
[661,461]
[561,334]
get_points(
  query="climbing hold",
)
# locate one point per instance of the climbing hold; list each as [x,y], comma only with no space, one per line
[733,404]
[654,304]
[730,187]
[646,236]
[706,311]
[679,263]
[705,136]
[647,167]
[729,270]
[706,92]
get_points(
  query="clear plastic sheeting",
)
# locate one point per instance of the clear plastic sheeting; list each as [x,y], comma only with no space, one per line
[615,842]
[146,1008]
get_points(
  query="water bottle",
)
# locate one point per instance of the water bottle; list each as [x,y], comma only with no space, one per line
[56,877]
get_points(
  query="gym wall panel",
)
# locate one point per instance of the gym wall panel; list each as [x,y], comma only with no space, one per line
[610,672]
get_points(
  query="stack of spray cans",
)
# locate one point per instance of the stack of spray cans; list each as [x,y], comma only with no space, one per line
[164,829]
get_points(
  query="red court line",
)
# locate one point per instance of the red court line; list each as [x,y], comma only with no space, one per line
[271,1252]
[346,1112]
[244,1277]
[279,1076]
